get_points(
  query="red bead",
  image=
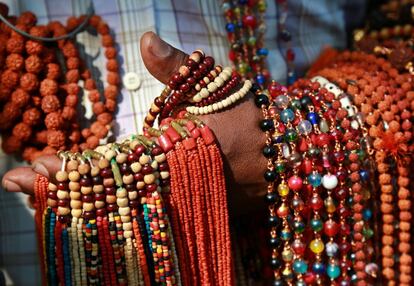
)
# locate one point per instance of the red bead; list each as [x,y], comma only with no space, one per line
[249,21]
[173,135]
[138,177]
[87,198]
[290,55]
[101,212]
[185,87]
[232,55]
[191,81]
[298,247]
[63,203]
[209,61]
[177,78]
[132,157]
[151,187]
[330,228]
[309,278]
[189,143]
[100,197]
[156,151]
[191,64]
[307,166]
[147,169]
[295,183]
[62,186]
[322,139]
[316,202]
[52,195]
[341,193]
[165,143]
[207,135]
[110,191]
[344,247]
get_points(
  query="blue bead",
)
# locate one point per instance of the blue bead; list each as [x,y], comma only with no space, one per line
[287,115]
[285,235]
[262,52]
[364,175]
[240,24]
[230,27]
[243,2]
[313,117]
[318,268]
[367,214]
[300,266]
[291,78]
[260,79]
[333,271]
[315,179]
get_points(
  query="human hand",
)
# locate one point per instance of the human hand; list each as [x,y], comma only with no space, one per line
[236,129]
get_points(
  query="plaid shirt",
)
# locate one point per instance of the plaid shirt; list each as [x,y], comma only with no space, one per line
[187,25]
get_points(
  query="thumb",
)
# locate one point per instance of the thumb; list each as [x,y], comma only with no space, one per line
[161,59]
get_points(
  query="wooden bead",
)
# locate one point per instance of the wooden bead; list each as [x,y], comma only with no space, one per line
[72,165]
[111,199]
[61,176]
[122,202]
[63,211]
[76,213]
[136,167]
[74,186]
[99,204]
[121,193]
[127,226]
[84,169]
[98,189]
[88,207]
[52,187]
[75,204]
[74,176]
[149,179]
[95,171]
[133,195]
[124,211]
[62,195]
[160,158]
[127,180]
[86,190]
[75,195]
[144,159]
[110,154]
[121,158]
[126,219]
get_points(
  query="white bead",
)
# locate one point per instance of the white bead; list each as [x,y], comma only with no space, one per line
[136,167]
[200,111]
[204,93]
[124,211]
[210,109]
[198,97]
[205,110]
[220,105]
[196,111]
[144,159]
[219,81]
[215,107]
[206,80]
[198,87]
[329,181]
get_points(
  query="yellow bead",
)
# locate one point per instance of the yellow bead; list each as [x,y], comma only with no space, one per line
[287,255]
[317,246]
[283,190]
[330,205]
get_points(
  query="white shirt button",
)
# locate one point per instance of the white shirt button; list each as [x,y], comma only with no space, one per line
[131,81]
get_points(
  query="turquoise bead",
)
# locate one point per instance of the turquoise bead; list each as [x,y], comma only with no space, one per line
[333,271]
[285,234]
[315,179]
[316,224]
[287,115]
[300,266]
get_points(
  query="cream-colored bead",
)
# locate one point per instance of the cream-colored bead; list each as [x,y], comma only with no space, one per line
[84,169]
[215,106]
[197,97]
[124,211]
[136,167]
[75,204]
[206,80]
[122,202]
[184,71]
[121,193]
[140,185]
[204,93]
[121,158]
[144,159]
[110,154]
[74,176]
[63,211]
[86,190]
[164,174]
[190,109]
[88,207]
[155,108]
[52,203]
[225,103]
[95,171]
[76,212]
[128,234]
[219,81]
[213,73]
[99,204]
[52,187]
[125,218]
[133,195]
[103,163]
[111,199]
[108,181]
[200,110]
[133,144]
[97,189]
[212,87]
[149,179]
[196,111]
[75,195]
[62,195]
[74,186]
[127,226]
[220,105]
[101,149]
[61,176]
[160,158]
[209,109]
[154,164]
[128,179]
[72,165]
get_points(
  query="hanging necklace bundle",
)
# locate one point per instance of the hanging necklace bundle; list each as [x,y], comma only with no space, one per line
[39,97]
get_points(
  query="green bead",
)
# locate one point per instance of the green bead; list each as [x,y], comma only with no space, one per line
[280,167]
[299,226]
[291,135]
[367,232]
[243,68]
[261,6]
[251,41]
[361,154]
[316,246]
[295,105]
[333,271]
[316,225]
[313,151]
[285,234]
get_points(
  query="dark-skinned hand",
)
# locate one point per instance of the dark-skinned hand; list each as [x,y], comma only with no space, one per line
[236,130]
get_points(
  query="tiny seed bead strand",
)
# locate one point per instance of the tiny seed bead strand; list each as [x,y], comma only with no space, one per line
[59,253]
[82,258]
[221,93]
[110,251]
[66,257]
[212,86]
[143,266]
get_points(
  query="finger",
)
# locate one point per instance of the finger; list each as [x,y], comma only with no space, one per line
[47,165]
[161,59]
[19,180]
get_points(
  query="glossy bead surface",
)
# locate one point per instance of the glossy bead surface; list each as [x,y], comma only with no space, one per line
[329,181]
[305,127]
[331,249]
[333,271]
[283,189]
[316,225]
[315,179]
[316,246]
[287,115]
[300,266]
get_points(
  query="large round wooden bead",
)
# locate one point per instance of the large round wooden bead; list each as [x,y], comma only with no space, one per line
[61,176]
[74,176]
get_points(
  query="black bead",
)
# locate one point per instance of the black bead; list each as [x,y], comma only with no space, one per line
[269,151]
[285,35]
[270,176]
[273,221]
[261,99]
[296,105]
[275,263]
[274,242]
[97,180]
[255,87]
[271,198]
[305,101]
[266,124]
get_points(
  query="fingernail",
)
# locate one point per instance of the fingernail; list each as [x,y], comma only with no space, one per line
[41,169]
[11,186]
[159,48]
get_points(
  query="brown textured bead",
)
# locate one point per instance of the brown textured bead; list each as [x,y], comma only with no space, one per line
[92,142]
[111,92]
[53,121]
[68,113]
[29,82]
[33,64]
[86,132]
[9,79]
[90,84]
[56,138]
[110,53]
[110,105]
[113,78]
[22,131]
[48,87]
[112,65]
[105,118]
[107,41]
[71,100]
[32,116]
[15,62]
[98,108]
[99,129]
[34,47]
[27,19]
[53,71]
[15,45]
[11,111]
[50,103]
[94,96]
[28,153]
[72,76]
[20,98]
[72,63]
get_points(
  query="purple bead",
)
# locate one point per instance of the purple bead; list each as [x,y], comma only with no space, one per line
[110,191]
[106,173]
[147,169]
[85,182]
[89,215]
